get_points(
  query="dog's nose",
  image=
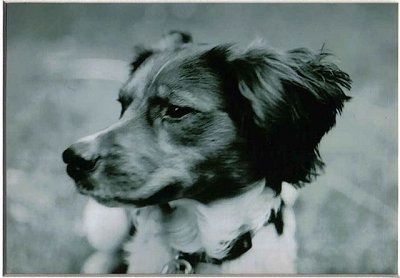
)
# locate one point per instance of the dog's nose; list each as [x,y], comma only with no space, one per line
[72,157]
[78,165]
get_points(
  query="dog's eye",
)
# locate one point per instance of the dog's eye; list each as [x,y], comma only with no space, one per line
[177,112]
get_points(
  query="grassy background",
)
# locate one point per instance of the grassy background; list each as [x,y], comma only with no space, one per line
[347,218]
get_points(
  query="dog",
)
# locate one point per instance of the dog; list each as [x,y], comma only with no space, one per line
[210,146]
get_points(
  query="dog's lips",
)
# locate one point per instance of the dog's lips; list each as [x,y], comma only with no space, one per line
[81,178]
[82,182]
[165,195]
[168,193]
[78,174]
[110,202]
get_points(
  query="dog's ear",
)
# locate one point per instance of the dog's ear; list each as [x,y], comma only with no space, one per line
[285,103]
[173,40]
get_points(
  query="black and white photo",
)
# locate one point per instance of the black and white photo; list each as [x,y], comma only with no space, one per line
[200,138]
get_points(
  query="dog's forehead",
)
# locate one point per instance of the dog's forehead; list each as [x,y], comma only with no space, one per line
[180,75]
[189,84]
[140,79]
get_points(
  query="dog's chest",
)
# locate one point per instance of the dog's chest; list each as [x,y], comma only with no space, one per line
[193,227]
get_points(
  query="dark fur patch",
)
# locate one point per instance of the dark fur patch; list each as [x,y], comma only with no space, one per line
[142,54]
[277,219]
[185,37]
[283,105]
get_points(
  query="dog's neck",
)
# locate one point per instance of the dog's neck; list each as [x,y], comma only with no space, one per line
[190,226]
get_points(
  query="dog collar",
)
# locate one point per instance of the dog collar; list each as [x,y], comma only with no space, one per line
[184,263]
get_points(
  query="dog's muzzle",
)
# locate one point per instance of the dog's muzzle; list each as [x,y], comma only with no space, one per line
[78,166]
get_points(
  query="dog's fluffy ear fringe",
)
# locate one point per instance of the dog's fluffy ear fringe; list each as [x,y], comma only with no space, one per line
[292,99]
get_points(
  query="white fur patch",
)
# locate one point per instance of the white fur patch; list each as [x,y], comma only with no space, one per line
[193,226]
[106,228]
[148,250]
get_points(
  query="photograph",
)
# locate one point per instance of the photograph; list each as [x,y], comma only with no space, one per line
[200,138]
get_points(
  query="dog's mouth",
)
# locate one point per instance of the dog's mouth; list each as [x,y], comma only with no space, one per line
[81,179]
[168,193]
[164,195]
[92,181]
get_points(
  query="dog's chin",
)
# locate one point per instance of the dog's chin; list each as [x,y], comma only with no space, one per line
[166,194]
[109,202]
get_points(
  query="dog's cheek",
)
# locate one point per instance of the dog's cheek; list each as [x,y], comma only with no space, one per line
[131,170]
[208,132]
[124,176]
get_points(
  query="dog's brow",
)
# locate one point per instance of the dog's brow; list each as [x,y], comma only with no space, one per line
[185,98]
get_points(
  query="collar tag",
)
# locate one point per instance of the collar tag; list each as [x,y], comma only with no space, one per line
[177,266]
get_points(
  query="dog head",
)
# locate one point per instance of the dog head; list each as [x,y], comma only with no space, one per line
[207,122]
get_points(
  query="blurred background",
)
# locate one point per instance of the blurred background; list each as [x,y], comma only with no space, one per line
[65,64]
